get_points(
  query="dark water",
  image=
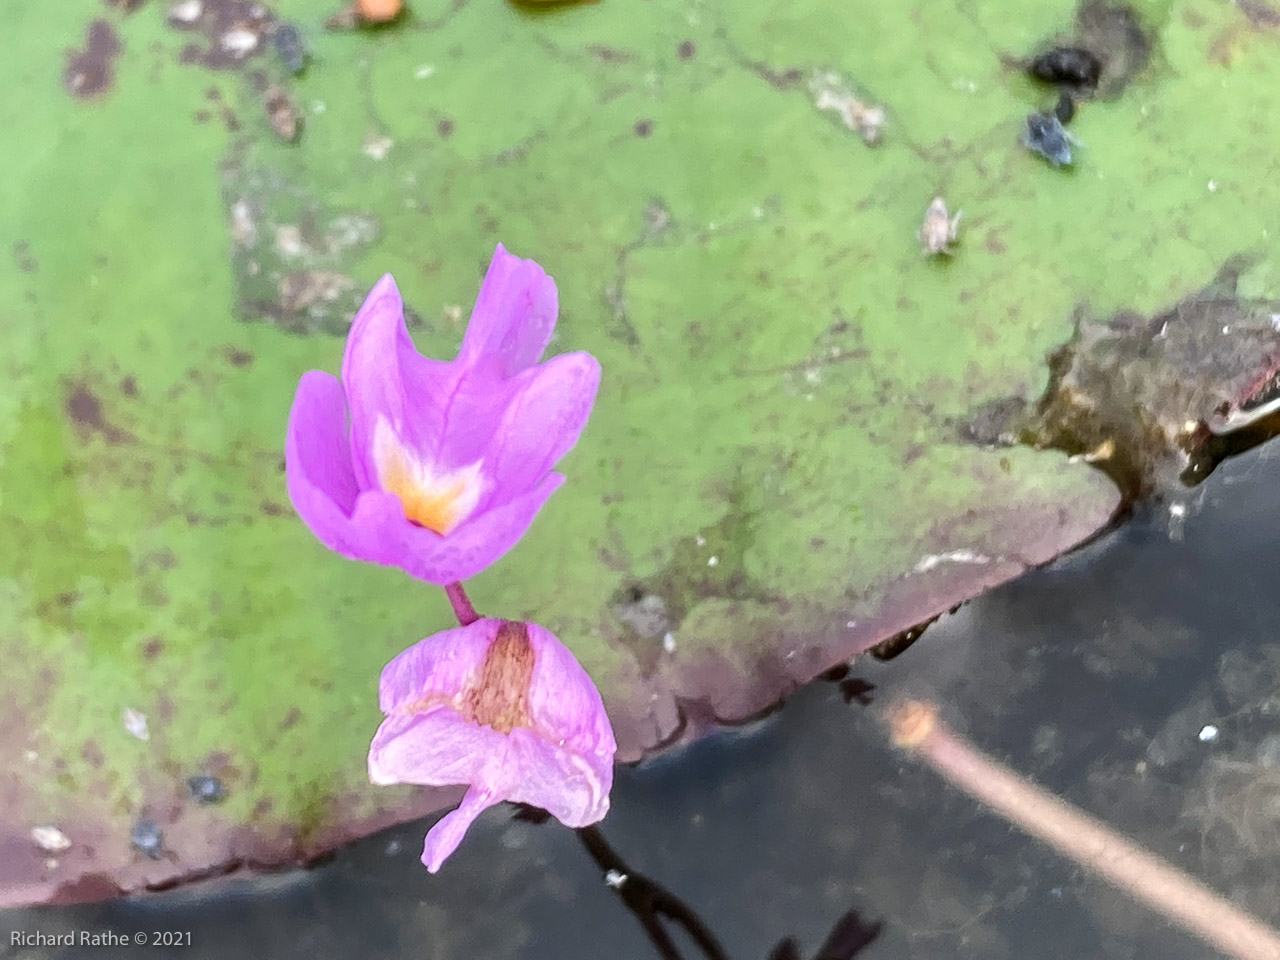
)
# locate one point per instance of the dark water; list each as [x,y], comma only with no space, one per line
[1097,676]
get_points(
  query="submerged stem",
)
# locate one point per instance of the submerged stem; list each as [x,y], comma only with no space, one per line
[461,603]
[650,901]
[1159,884]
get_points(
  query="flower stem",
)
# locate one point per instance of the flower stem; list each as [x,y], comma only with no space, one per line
[915,726]
[461,603]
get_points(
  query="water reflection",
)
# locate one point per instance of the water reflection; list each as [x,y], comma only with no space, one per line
[1139,678]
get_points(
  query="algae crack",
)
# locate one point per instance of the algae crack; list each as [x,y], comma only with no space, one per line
[1155,401]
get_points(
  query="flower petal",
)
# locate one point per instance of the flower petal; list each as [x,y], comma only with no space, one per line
[444,837]
[381,534]
[571,787]
[541,423]
[442,663]
[514,316]
[317,458]
[386,378]
[565,704]
[433,749]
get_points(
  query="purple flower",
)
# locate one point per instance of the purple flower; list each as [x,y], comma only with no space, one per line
[439,466]
[503,707]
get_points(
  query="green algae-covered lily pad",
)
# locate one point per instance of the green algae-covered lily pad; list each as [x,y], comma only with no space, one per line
[793,455]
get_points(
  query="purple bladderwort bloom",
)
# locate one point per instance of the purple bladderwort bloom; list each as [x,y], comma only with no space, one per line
[501,706]
[439,466]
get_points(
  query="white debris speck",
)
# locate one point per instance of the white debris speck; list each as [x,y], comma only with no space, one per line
[1226,328]
[712,560]
[31,756]
[968,86]
[239,42]
[423,71]
[850,624]
[377,147]
[243,232]
[701,541]
[318,106]
[813,376]
[1275,322]
[289,241]
[393,847]
[939,228]
[1177,510]
[50,839]
[188,11]
[613,879]
[136,723]
[1213,186]
[933,560]
[669,642]
[829,93]
[51,864]
[1208,733]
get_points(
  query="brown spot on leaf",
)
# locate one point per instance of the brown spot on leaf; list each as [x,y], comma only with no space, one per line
[1260,14]
[22,258]
[445,127]
[84,409]
[609,54]
[89,71]
[232,32]
[992,243]
[686,50]
[91,753]
[237,357]
[128,6]
[290,718]
[284,117]
[270,508]
[643,128]
[152,647]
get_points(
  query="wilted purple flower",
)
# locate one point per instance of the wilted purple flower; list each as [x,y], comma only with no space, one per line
[439,466]
[503,707]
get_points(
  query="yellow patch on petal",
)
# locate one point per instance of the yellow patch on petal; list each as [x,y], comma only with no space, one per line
[438,502]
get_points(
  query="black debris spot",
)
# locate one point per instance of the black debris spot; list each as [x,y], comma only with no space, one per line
[205,789]
[445,128]
[1044,134]
[643,128]
[287,42]
[147,838]
[89,72]
[1108,48]
[1067,66]
[1065,108]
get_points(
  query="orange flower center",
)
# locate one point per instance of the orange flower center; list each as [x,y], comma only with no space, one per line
[438,502]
